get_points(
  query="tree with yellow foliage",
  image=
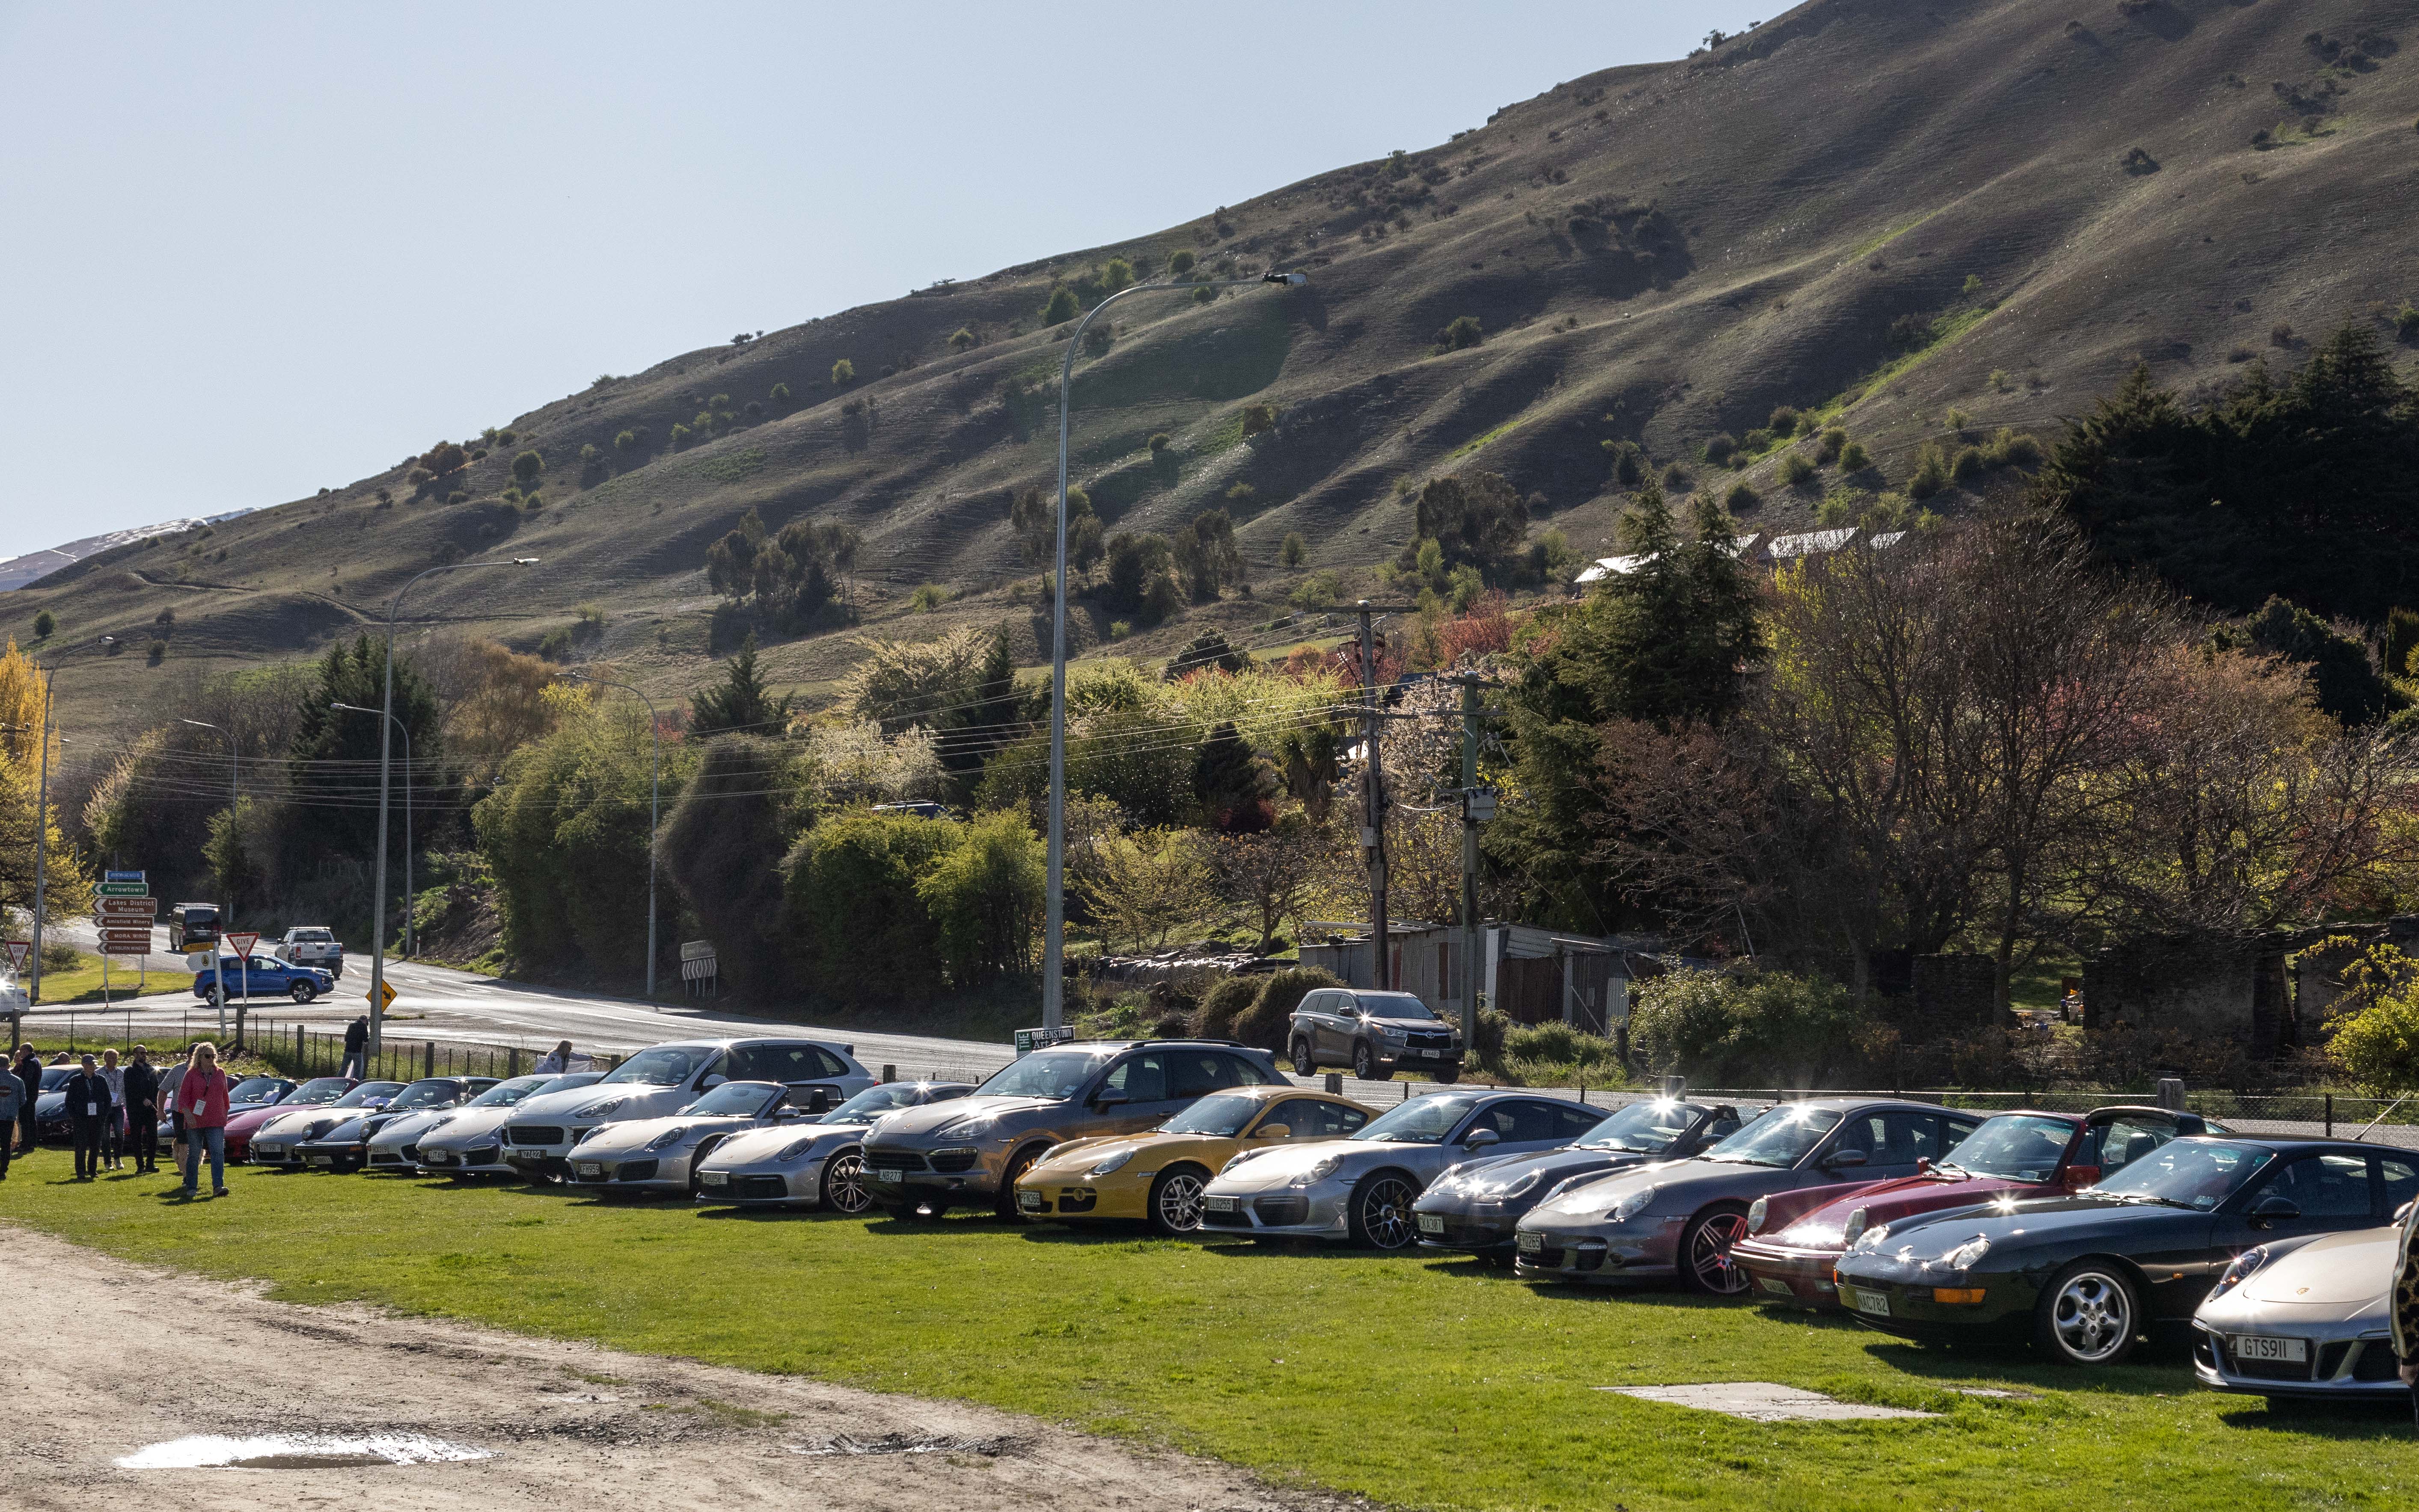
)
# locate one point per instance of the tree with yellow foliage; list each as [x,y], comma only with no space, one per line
[23,691]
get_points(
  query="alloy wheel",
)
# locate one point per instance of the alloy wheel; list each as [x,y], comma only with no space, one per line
[1364,1062]
[1175,1204]
[1386,1213]
[1305,1064]
[844,1188]
[1709,1254]
[2092,1316]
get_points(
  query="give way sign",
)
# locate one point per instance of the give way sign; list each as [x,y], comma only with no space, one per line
[19,953]
[242,944]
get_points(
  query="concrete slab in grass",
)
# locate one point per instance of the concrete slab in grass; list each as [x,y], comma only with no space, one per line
[1763,1401]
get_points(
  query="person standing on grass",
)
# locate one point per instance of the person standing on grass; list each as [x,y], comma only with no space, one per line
[2405,1296]
[143,1110]
[202,1098]
[29,1076]
[555,1062]
[357,1042]
[89,1105]
[113,1134]
[13,1093]
[169,1081]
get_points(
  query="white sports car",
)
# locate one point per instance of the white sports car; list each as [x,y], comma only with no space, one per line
[659,1156]
[464,1141]
[821,1165]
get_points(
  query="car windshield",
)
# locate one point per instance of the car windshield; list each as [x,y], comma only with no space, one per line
[1781,1138]
[253,1088]
[1391,1006]
[504,1094]
[2191,1173]
[864,1105]
[312,936]
[1055,1074]
[746,1098]
[436,1094]
[2015,1147]
[54,1077]
[1423,1120]
[1642,1127]
[1223,1117]
[369,1094]
[317,1092]
[663,1066]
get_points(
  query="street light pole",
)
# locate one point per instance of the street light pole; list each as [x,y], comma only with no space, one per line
[235,837]
[386,756]
[409,937]
[1053,929]
[42,828]
[654,805]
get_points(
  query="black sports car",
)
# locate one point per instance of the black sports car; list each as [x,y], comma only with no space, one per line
[2082,1278]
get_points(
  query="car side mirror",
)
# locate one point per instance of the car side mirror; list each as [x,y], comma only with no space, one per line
[1109,1100]
[2275,1208]
[2079,1176]
[1839,1159]
[1480,1139]
[1272,1131]
[1922,1165]
[712,1082]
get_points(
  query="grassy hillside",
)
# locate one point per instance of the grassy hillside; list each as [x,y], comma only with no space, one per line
[1882,211]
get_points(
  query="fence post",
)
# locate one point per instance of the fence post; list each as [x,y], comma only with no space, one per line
[430,1057]
[2171,1093]
[2330,1115]
[513,1061]
[889,1074]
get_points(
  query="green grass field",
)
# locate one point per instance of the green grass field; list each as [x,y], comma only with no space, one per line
[1414,1381]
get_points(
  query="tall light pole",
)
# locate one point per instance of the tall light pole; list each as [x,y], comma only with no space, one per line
[386,755]
[654,805]
[405,731]
[235,837]
[1053,929]
[42,825]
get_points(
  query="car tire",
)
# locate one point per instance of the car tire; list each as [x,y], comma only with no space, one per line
[844,1189]
[1447,1075]
[2089,1314]
[695,1185]
[1379,1212]
[1023,1161]
[302,992]
[1364,1064]
[1175,1201]
[1704,1257]
[1305,1063]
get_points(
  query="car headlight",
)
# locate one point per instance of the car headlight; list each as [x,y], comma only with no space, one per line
[1113,1163]
[435,1123]
[1318,1173]
[1867,1241]
[1757,1212]
[598,1110]
[1524,1186]
[667,1139]
[977,1128]
[795,1147]
[2239,1271]
[1239,1157]
[1858,1222]
[1629,1205]
[1966,1255]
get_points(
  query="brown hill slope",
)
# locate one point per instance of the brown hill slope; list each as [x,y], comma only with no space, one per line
[1656,253]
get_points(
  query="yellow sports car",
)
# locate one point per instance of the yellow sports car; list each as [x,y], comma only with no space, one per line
[1158,1174]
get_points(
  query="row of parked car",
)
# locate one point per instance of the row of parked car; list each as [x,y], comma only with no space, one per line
[2077,1233]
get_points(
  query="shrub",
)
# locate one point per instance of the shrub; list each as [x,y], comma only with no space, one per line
[526,468]
[457,497]
[927,597]
[1931,473]
[1953,418]
[1204,294]
[2376,1039]
[1062,308]
[1756,441]
[1968,464]
[1853,458]
[1258,418]
[679,433]
[1241,495]
[2405,321]
[1160,442]
[1720,448]
[1294,550]
[588,454]
[1746,1028]
[781,393]
[418,476]
[1629,464]
[853,900]
[1741,498]
[2011,448]
[1999,381]
[1228,1001]
[2280,334]
[555,645]
[1271,1012]
[1097,340]
[1120,630]
[1675,477]
[1459,332]
[985,895]
[1795,468]
[1181,263]
[1557,1054]
[506,438]
[843,373]
[624,441]
[1784,421]
[962,340]
[45,624]
[1118,274]
[1827,451]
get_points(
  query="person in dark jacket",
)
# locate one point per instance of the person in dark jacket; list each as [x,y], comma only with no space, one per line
[29,1073]
[356,1040]
[12,1092]
[89,1110]
[143,1109]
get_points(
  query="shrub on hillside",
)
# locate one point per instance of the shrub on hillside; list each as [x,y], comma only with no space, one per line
[1180,263]
[1258,418]
[526,468]
[1746,1029]
[1854,458]
[1784,421]
[1931,473]
[781,393]
[1795,468]
[1828,450]
[854,903]
[1676,478]
[1062,308]
[1741,498]
[2011,448]
[1293,550]
[1271,1012]
[1459,332]
[1968,464]
[1228,1001]
[962,340]
[44,624]
[1720,448]
[626,441]
[843,373]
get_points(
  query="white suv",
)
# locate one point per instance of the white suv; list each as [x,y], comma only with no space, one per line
[313,944]
[539,1136]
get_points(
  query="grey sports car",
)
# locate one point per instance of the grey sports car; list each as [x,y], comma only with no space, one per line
[821,1164]
[1680,1218]
[469,1140]
[2305,1317]
[1362,1188]
[659,1155]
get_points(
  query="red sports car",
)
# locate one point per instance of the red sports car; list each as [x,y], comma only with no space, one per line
[316,1092]
[1795,1238]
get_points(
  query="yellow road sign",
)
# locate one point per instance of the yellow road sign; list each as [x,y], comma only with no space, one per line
[384,996]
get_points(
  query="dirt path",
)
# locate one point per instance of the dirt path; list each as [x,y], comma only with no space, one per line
[105,1358]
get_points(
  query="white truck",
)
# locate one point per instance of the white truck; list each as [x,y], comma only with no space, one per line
[313,944]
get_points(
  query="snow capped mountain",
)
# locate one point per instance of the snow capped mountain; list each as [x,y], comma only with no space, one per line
[16,572]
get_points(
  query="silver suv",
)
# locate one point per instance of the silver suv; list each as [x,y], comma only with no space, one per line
[1374,1033]
[971,1150]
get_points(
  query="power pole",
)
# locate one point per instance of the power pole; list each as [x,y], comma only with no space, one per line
[1373,807]
[1477,807]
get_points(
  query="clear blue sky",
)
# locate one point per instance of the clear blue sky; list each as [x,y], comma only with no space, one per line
[251,250]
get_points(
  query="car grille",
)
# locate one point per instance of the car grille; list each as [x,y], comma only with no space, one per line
[2264,1369]
[483,1155]
[268,1153]
[1238,1219]
[2376,1362]
[536,1133]
[638,1170]
[760,1187]
[892,1159]
[1548,1258]
[382,1158]
[1429,1042]
[949,1162]
[1079,1201]
[1587,1257]
[1472,1235]
[1275,1212]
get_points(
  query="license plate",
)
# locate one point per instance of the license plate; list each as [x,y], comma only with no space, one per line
[1778,1287]
[1032,1201]
[715,1178]
[1431,1223]
[1531,1244]
[890,1177]
[1875,1303]
[270,1151]
[2253,1346]
[1219,1204]
[1430,1054]
[323,1160]
[438,1157]
[590,1169]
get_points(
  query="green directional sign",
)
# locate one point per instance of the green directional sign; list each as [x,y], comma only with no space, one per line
[124,889]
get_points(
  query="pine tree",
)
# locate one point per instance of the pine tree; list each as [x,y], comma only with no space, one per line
[1232,783]
[743,703]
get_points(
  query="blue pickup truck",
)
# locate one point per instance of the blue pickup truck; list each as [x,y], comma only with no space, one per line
[264,975]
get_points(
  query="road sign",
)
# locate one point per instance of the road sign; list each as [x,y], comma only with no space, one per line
[384,996]
[124,889]
[125,945]
[200,961]
[142,908]
[19,951]
[122,876]
[242,944]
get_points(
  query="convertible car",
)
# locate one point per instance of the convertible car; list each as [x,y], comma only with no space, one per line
[819,1165]
[658,1156]
[274,1142]
[470,1143]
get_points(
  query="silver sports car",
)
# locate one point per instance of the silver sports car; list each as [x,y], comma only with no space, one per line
[463,1141]
[659,1155]
[2305,1317]
[539,1136]
[1362,1188]
[274,1142]
[819,1165]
